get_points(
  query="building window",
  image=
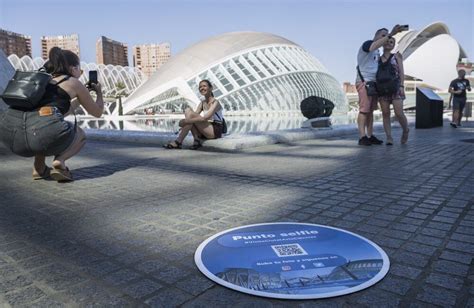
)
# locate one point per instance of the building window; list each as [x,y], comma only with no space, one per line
[222,79]
[254,65]
[233,73]
[244,70]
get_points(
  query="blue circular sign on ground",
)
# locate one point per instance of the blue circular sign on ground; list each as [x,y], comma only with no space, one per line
[292,260]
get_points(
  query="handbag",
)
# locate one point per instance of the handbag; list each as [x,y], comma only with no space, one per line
[223,123]
[224,126]
[26,89]
[370,86]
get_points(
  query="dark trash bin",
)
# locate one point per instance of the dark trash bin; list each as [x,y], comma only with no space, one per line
[429,108]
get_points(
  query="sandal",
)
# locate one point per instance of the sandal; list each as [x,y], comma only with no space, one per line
[196,145]
[43,175]
[389,141]
[173,145]
[61,175]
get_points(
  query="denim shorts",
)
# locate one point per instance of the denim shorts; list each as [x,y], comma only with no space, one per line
[28,134]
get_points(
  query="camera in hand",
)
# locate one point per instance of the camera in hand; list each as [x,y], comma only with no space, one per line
[92,79]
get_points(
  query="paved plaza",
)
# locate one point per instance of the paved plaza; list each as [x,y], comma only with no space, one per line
[124,233]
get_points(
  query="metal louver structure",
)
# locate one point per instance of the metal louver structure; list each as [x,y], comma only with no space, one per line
[251,72]
[115,79]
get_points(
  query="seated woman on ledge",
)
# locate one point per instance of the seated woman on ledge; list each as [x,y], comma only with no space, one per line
[207,126]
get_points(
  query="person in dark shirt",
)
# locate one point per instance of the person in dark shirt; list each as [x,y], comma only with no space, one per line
[458,89]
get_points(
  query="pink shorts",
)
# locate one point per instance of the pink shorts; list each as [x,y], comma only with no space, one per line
[367,103]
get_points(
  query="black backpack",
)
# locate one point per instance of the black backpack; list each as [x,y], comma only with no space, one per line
[387,80]
[26,89]
[224,124]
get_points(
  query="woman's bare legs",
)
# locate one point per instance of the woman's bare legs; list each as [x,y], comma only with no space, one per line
[40,163]
[197,129]
[205,129]
[387,126]
[184,132]
[402,119]
[185,128]
[196,134]
[74,148]
[190,114]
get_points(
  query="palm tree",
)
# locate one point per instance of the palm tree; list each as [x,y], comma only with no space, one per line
[120,91]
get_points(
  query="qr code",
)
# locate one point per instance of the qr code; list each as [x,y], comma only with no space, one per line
[289,250]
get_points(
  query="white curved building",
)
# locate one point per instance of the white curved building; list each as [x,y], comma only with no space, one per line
[114,79]
[430,55]
[250,71]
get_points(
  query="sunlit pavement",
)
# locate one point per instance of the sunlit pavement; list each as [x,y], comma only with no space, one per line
[124,233]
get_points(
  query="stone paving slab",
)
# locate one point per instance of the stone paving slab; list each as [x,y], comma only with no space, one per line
[124,233]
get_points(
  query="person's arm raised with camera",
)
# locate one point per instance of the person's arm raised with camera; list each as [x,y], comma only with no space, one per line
[65,63]
[382,36]
[95,108]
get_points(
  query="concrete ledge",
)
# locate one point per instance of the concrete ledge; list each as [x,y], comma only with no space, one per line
[237,142]
[230,142]
[233,142]
[129,136]
[244,141]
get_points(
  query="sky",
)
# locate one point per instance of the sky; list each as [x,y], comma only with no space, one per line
[332,31]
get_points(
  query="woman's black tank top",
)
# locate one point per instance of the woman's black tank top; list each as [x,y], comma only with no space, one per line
[55,96]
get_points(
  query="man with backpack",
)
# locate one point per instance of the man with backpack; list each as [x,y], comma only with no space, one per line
[367,66]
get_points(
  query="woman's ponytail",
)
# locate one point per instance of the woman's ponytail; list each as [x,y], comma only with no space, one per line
[59,61]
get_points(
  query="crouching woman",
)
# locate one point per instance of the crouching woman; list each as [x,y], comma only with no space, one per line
[209,125]
[44,132]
